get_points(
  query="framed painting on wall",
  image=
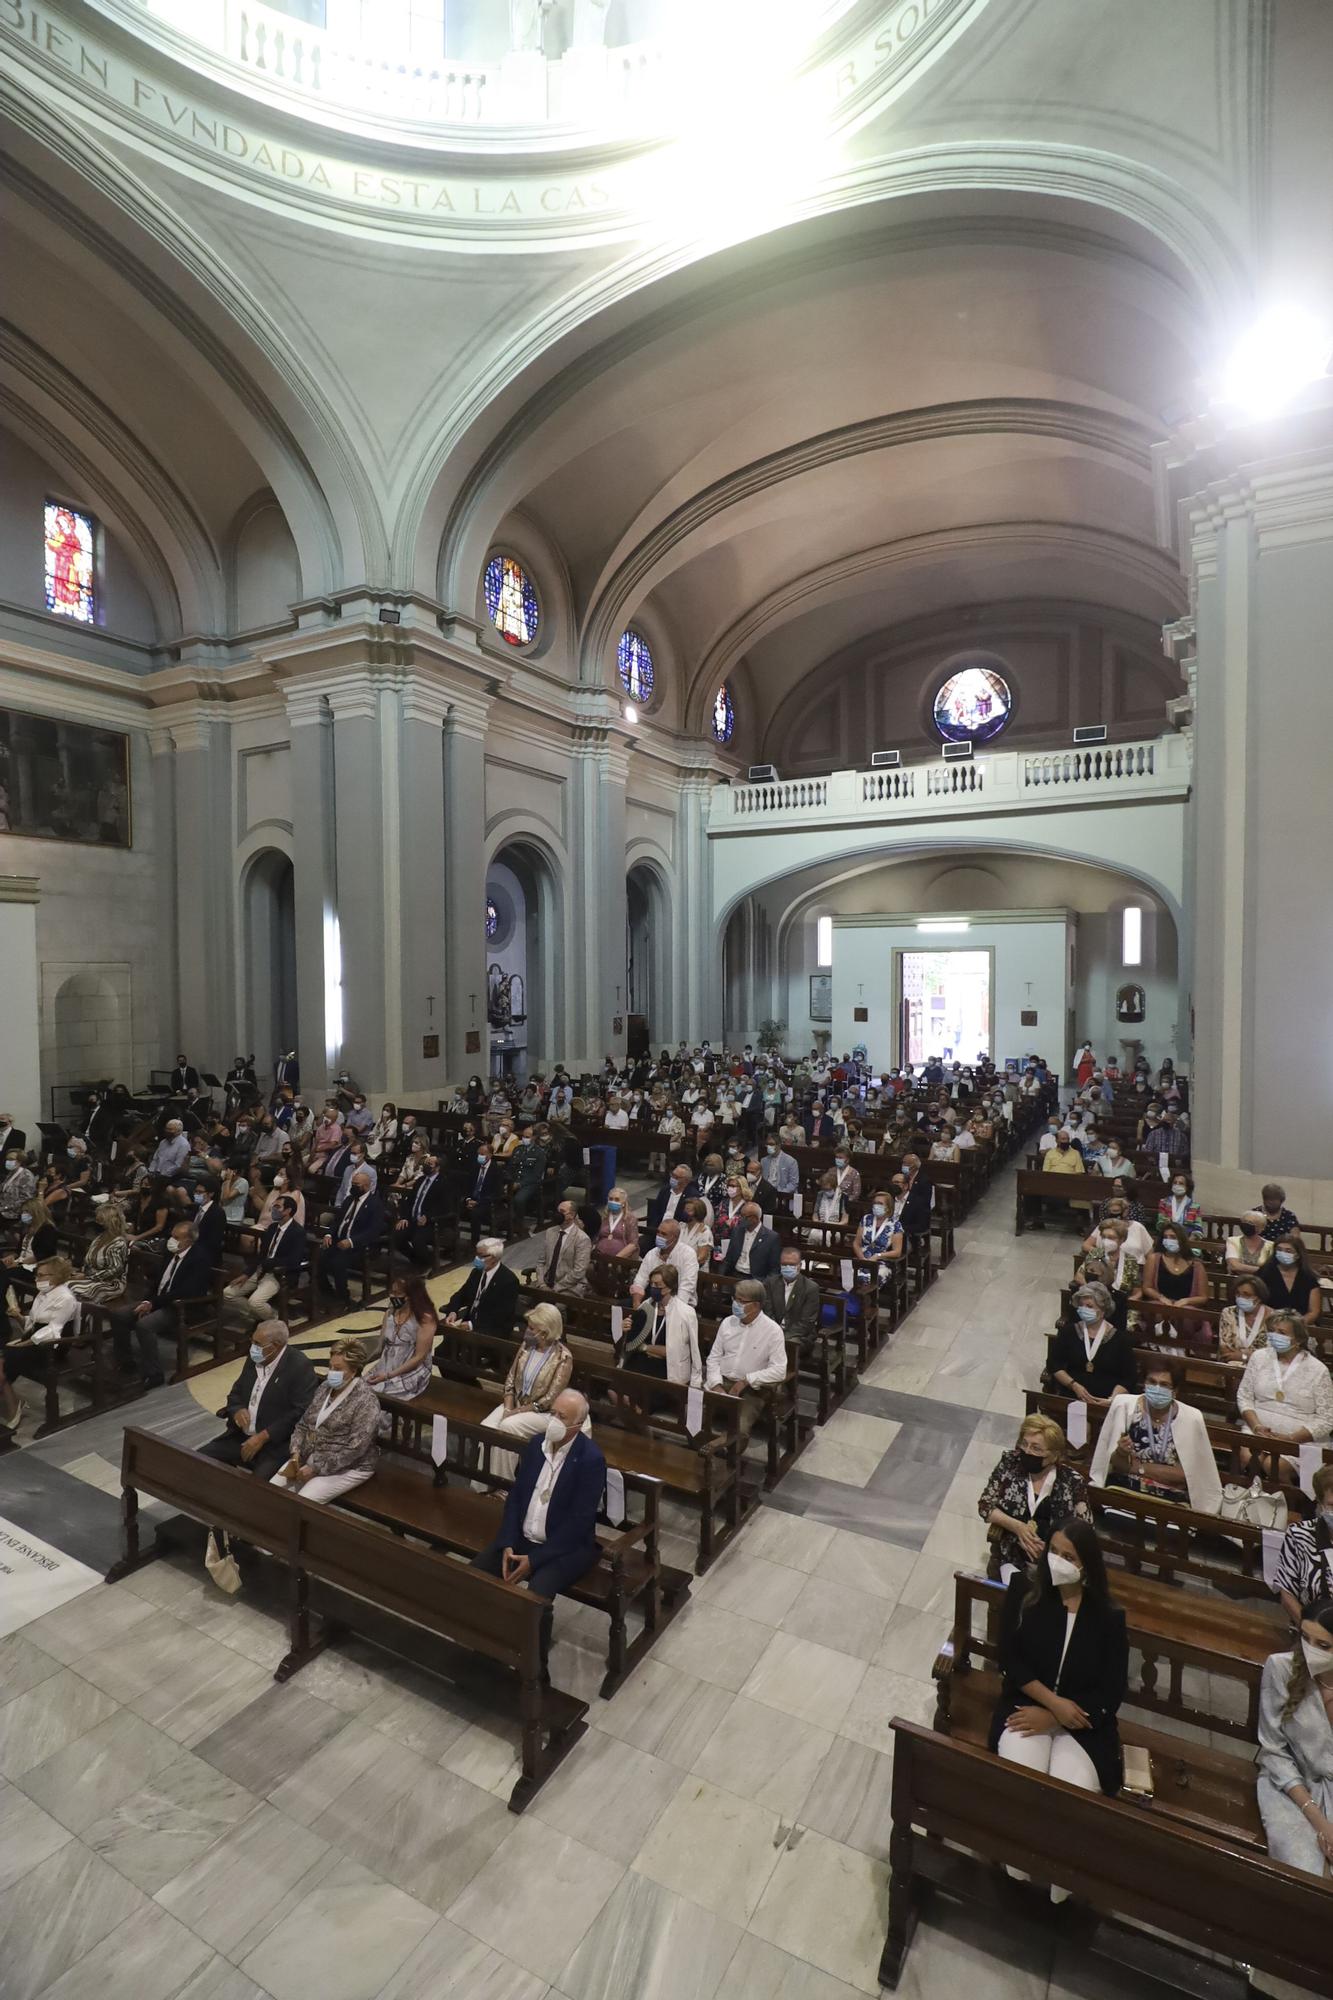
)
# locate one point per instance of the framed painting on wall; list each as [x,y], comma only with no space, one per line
[821,996]
[63,781]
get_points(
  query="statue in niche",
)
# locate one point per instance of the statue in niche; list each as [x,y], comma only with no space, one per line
[505,999]
[527,24]
[1130,1004]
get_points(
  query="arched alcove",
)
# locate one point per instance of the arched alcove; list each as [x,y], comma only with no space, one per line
[648,951]
[269,906]
[264,578]
[527,876]
[89,1025]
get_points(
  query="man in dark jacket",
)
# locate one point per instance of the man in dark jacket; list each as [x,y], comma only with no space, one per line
[268,1398]
[548,1536]
[487,1299]
[919,1200]
[358,1226]
[188,1275]
[420,1207]
[753,1251]
[284,1253]
[792,1298]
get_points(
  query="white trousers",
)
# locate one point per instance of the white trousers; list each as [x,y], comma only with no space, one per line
[1057,1755]
[521,1424]
[252,1296]
[325,1485]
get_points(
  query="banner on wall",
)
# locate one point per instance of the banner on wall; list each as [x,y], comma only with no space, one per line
[35,1578]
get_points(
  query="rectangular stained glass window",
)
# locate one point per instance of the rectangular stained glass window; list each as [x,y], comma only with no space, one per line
[70,539]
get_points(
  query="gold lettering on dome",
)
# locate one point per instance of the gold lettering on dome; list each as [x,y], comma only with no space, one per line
[319,178]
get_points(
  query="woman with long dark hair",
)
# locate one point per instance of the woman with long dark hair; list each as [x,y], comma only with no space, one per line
[407,1343]
[1064,1654]
[1296,1745]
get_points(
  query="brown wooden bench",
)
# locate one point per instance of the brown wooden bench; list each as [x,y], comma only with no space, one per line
[1124,1861]
[1074,1193]
[413,1494]
[1142,1532]
[367,1580]
[706,1471]
[1226,1439]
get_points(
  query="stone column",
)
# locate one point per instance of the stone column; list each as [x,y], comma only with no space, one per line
[204,899]
[318,981]
[596,968]
[466,1036]
[163,754]
[20,1004]
[1251,513]
[698,1009]
[422,898]
[365,782]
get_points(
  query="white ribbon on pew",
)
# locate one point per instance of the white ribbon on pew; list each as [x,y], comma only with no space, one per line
[846,1274]
[1164,1165]
[615,1497]
[795,1207]
[694,1411]
[587,1156]
[439,1440]
[1076,1424]
[768,1222]
[1273,1540]
[1309,1457]
[617,1325]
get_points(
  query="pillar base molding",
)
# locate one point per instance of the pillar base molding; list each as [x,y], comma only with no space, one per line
[1230,1190]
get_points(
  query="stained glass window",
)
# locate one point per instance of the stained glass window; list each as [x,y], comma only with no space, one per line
[69,542]
[635,660]
[511,601]
[492,918]
[724,715]
[972,706]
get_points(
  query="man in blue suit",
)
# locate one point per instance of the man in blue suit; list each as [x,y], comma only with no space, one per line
[548,1537]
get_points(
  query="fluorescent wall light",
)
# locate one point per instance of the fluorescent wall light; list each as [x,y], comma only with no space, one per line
[824,940]
[937,927]
[1131,936]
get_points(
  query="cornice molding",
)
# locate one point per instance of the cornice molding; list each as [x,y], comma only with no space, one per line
[20,889]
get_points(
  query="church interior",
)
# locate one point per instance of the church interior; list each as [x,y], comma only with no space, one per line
[660,666]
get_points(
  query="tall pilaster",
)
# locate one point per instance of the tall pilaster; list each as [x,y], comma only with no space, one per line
[416,1072]
[596,972]
[365,779]
[163,754]
[1254,525]
[315,884]
[204,900]
[467,1038]
[698,993]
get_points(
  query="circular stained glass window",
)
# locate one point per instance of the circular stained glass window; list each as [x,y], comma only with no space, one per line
[492,918]
[972,706]
[724,715]
[511,601]
[635,659]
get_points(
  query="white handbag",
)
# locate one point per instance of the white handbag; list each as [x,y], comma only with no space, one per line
[221,1563]
[1253,1505]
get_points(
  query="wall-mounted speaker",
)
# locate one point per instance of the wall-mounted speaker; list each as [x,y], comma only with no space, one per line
[885,760]
[1094,732]
[956,752]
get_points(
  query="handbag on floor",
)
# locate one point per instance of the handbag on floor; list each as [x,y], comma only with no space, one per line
[221,1563]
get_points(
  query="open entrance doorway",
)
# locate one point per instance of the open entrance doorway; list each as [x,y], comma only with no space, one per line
[945,1005]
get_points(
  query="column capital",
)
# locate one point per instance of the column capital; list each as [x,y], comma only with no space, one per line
[193,731]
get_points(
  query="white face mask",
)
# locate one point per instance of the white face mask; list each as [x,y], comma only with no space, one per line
[1063,1572]
[1319,1659]
[555,1433]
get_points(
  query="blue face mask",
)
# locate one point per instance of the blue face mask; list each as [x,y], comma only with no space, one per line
[1088,1314]
[1280,1343]
[1244,1305]
[615,1207]
[1159,1395]
[257,1355]
[335,1378]
[661,1242]
[479,1263]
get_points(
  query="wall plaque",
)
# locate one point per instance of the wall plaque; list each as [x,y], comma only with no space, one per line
[1028,1018]
[472,1041]
[860,1013]
[430,1045]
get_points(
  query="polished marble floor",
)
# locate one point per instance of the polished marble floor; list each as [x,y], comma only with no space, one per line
[174,1826]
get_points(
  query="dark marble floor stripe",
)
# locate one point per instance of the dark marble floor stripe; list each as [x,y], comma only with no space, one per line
[65,1511]
[926,1411]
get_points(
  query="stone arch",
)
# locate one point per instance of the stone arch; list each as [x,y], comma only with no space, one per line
[268,953]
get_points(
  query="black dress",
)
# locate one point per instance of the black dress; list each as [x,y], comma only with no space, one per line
[1093,1673]
[1295,1297]
[1112,1366]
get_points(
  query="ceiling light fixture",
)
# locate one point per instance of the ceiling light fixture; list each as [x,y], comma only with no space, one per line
[631,712]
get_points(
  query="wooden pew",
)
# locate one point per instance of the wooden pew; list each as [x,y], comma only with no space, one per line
[365,1580]
[1123,1860]
[705,1470]
[1226,1439]
[1139,1531]
[1074,1193]
[413,1493]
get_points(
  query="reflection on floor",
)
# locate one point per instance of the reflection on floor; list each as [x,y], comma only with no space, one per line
[174,1826]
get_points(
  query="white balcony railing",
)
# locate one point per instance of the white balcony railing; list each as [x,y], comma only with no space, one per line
[1003,781]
